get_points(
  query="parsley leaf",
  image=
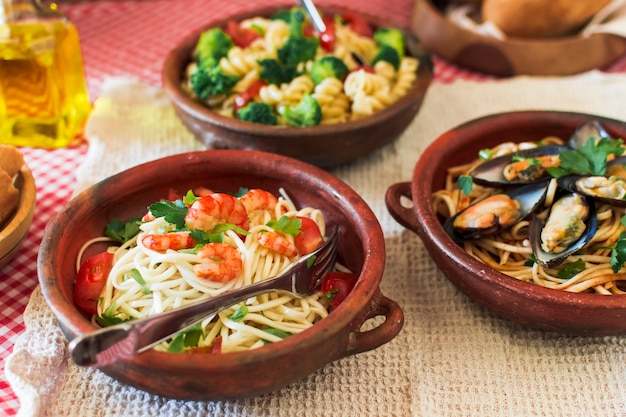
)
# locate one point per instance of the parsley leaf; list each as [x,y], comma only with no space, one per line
[485,154]
[531,261]
[276,332]
[190,198]
[174,212]
[588,159]
[290,226]
[618,254]
[118,230]
[465,184]
[571,269]
[187,338]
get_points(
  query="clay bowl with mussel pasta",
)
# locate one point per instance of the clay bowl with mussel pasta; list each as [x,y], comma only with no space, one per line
[323,145]
[520,301]
[229,375]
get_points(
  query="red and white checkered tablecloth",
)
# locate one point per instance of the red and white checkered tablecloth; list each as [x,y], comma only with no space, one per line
[131,38]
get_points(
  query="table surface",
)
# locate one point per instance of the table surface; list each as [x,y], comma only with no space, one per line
[131,38]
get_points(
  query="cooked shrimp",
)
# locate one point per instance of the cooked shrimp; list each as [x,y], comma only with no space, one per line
[165,241]
[277,243]
[257,199]
[211,210]
[219,262]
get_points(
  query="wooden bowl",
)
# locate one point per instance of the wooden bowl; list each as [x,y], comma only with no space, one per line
[522,302]
[513,56]
[324,145]
[241,374]
[15,230]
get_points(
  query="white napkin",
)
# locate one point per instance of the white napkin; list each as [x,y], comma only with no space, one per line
[452,358]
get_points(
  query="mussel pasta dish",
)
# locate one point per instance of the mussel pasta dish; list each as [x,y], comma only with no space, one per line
[530,211]
[193,247]
[279,71]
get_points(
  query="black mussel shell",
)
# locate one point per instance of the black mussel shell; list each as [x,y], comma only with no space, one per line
[552,260]
[530,198]
[490,173]
[569,183]
[589,129]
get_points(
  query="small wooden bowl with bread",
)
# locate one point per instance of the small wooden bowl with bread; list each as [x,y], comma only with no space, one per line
[540,37]
[17,202]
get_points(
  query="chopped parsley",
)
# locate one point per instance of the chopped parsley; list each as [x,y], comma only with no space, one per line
[173,212]
[589,159]
[118,230]
[465,184]
[290,226]
[571,269]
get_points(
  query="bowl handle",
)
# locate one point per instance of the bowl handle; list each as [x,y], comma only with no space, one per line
[403,215]
[371,339]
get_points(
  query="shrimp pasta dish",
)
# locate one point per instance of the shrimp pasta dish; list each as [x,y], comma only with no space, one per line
[198,245]
[553,224]
[279,70]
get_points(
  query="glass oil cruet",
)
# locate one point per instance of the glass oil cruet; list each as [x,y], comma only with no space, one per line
[44,101]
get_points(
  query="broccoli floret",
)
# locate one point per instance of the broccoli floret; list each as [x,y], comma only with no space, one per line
[258,112]
[390,37]
[297,48]
[306,113]
[212,46]
[211,81]
[282,14]
[274,73]
[389,54]
[328,66]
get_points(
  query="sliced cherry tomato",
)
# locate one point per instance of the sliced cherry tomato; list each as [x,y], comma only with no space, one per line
[327,38]
[241,36]
[358,23]
[90,280]
[309,238]
[336,286]
[244,98]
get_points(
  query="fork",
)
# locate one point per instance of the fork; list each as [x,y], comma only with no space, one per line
[106,345]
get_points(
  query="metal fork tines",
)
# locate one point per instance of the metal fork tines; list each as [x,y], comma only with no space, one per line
[106,345]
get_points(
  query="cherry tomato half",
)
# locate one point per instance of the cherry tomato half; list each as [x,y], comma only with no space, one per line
[244,98]
[336,286]
[327,38]
[309,238]
[90,280]
[358,24]
[241,36]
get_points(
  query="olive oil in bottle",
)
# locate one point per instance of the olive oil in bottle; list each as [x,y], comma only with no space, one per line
[44,100]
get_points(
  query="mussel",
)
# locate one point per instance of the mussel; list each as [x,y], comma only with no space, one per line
[496,213]
[607,189]
[529,165]
[571,224]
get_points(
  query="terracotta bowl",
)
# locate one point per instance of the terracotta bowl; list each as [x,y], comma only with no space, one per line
[521,302]
[513,56]
[324,146]
[214,377]
[13,233]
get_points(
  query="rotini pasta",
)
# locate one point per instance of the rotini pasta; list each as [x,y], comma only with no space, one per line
[362,79]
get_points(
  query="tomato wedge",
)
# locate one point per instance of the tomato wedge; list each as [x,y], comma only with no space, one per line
[244,98]
[336,286]
[242,36]
[90,280]
[327,38]
[309,238]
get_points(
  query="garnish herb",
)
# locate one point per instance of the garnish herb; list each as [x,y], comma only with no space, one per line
[618,254]
[188,338]
[465,184]
[290,226]
[240,313]
[588,159]
[136,275]
[571,269]
[531,261]
[485,154]
[276,332]
[108,318]
[118,230]
[174,212]
[189,198]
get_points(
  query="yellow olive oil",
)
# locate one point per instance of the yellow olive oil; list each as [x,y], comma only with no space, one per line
[44,100]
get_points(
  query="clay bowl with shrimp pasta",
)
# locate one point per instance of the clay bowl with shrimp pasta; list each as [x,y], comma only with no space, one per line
[410,203]
[204,376]
[325,145]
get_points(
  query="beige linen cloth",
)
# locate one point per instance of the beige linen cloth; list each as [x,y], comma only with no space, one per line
[452,358]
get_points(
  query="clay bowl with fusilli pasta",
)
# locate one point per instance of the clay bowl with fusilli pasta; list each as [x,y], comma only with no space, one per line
[232,368]
[364,109]
[565,304]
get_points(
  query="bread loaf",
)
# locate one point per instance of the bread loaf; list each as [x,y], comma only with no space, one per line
[11,161]
[540,18]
